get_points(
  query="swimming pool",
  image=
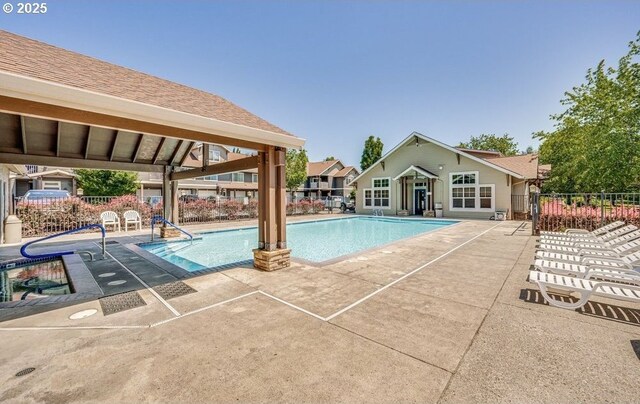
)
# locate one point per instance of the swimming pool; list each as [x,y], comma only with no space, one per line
[315,241]
[33,280]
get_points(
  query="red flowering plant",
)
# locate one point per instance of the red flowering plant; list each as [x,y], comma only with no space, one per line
[557,215]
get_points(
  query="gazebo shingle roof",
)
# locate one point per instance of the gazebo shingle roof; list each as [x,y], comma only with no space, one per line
[31,58]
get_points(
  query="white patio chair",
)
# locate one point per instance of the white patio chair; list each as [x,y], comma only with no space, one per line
[110,218]
[132,217]
[629,266]
[548,282]
[579,232]
[600,238]
[585,247]
[579,257]
[611,242]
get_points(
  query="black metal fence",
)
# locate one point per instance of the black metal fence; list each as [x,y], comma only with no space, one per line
[51,215]
[557,212]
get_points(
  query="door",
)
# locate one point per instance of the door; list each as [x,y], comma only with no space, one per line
[420,201]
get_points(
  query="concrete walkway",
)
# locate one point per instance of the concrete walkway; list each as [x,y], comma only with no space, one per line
[446,316]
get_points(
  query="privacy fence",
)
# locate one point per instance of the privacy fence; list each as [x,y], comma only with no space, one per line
[52,215]
[557,212]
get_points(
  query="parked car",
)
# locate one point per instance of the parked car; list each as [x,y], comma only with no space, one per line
[154,201]
[188,198]
[45,196]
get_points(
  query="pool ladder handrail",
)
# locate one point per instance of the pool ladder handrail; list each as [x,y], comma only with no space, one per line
[159,218]
[23,249]
[378,212]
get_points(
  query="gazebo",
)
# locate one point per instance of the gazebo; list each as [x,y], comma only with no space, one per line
[60,108]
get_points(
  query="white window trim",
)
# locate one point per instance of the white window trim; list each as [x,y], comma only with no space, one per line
[477,187]
[372,189]
[237,173]
[214,155]
[254,178]
[57,184]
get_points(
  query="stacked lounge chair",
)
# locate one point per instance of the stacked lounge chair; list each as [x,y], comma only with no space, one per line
[604,262]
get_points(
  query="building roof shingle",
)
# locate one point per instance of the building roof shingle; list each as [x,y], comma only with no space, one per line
[345,171]
[318,167]
[525,164]
[31,58]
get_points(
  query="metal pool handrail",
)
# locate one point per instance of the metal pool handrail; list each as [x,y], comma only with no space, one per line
[165,221]
[23,249]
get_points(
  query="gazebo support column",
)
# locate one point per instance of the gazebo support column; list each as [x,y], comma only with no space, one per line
[168,204]
[272,252]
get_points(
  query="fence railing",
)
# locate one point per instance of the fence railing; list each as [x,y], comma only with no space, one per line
[588,211]
[52,215]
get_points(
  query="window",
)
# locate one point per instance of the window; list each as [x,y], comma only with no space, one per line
[367,198]
[467,194]
[254,177]
[349,179]
[486,197]
[463,179]
[237,177]
[214,155]
[379,195]
[208,178]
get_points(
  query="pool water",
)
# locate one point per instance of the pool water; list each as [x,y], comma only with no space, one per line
[33,281]
[315,241]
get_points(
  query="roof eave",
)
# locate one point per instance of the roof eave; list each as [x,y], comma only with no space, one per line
[36,90]
[443,145]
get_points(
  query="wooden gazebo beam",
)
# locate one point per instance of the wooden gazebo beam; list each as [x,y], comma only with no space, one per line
[48,111]
[242,164]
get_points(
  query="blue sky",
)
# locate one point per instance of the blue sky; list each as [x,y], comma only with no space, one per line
[335,72]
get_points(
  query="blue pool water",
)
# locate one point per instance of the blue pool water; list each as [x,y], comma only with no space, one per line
[315,241]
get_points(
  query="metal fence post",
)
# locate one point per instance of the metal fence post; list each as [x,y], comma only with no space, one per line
[535,211]
[602,207]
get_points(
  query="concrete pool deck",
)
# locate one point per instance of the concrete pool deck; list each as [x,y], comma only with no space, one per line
[443,317]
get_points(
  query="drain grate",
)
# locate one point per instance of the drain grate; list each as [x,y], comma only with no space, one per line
[25,372]
[121,302]
[174,289]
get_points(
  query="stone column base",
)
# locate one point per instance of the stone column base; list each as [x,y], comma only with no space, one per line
[169,232]
[271,260]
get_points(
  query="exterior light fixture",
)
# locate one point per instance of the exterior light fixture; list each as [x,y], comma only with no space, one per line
[440,167]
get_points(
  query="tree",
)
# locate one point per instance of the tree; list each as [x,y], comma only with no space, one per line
[504,144]
[595,145]
[330,158]
[371,153]
[107,182]
[530,150]
[296,168]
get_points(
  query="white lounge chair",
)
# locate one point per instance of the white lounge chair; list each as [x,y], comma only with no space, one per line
[110,218]
[588,247]
[577,232]
[132,217]
[548,282]
[625,267]
[601,238]
[618,252]
[612,243]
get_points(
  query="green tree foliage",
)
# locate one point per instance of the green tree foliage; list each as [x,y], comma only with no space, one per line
[596,142]
[296,168]
[107,182]
[371,153]
[504,144]
[330,158]
[530,150]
